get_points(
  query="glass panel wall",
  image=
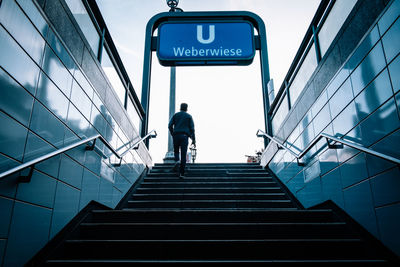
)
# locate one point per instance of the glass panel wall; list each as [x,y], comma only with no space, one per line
[280,115]
[85,23]
[113,76]
[338,14]
[303,75]
[133,114]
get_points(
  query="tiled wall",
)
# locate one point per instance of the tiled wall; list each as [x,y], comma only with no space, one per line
[361,104]
[47,102]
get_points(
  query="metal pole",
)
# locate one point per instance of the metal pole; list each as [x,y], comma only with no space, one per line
[169,156]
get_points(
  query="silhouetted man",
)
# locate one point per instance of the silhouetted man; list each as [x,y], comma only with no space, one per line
[181,127]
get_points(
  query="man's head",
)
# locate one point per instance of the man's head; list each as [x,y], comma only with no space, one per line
[184,107]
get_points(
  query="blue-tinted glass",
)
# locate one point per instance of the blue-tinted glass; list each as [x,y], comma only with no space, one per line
[93,162]
[98,121]
[332,187]
[60,51]
[391,40]
[341,98]
[90,188]
[363,49]
[7,163]
[336,82]
[34,15]
[280,115]
[52,97]
[78,153]
[106,192]
[380,123]
[354,170]
[359,205]
[50,166]
[121,183]
[25,239]
[70,172]
[311,194]
[133,114]
[333,23]
[303,75]
[57,71]
[328,160]
[368,69]
[40,190]
[36,147]
[78,124]
[377,165]
[388,222]
[394,70]
[389,17]
[346,120]
[66,206]
[113,76]
[46,125]
[296,183]
[312,172]
[374,95]
[12,137]
[117,195]
[322,119]
[96,101]
[80,100]
[19,26]
[14,99]
[106,172]
[17,63]
[106,114]
[83,82]
[321,101]
[390,145]
[6,206]
[85,23]
[386,187]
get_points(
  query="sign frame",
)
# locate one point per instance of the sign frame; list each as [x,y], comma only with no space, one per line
[213,61]
[151,46]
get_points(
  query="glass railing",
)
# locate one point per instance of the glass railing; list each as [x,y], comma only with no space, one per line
[326,24]
[92,25]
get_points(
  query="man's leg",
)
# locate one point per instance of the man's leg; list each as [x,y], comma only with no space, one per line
[184,146]
[176,152]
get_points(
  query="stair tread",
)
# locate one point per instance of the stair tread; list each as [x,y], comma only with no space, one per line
[217,224]
[218,261]
[314,240]
[219,213]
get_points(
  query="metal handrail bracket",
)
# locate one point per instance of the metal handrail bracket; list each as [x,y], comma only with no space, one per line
[31,164]
[152,134]
[329,138]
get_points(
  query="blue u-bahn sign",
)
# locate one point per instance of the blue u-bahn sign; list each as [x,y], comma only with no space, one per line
[200,43]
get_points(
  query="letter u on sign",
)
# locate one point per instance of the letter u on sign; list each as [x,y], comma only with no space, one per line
[211,35]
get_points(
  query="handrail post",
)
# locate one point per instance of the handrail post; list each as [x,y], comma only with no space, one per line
[27,178]
[91,147]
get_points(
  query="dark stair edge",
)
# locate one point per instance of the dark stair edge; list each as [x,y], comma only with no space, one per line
[71,229]
[364,234]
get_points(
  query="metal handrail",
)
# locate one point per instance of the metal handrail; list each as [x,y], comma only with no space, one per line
[329,138]
[32,163]
[152,134]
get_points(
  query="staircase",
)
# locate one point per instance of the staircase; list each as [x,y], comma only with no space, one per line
[220,213]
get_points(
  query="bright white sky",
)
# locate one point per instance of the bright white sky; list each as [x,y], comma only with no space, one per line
[225,102]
